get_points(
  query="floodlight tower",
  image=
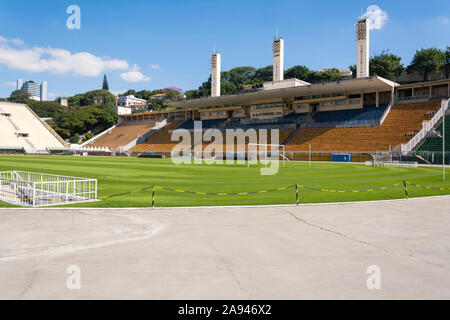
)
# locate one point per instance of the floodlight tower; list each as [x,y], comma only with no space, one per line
[363,44]
[216,64]
[278,59]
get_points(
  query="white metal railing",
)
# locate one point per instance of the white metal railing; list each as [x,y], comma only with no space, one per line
[426,128]
[38,189]
[425,97]
[386,113]
[341,124]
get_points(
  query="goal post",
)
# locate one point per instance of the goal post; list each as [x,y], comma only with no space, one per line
[261,151]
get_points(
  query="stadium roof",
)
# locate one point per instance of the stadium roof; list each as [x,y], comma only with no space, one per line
[370,84]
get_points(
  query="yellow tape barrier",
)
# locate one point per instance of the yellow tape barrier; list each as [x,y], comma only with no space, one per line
[373,189]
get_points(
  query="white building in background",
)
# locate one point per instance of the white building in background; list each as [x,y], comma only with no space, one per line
[216,65]
[37,91]
[123,110]
[64,102]
[278,59]
[128,101]
[44,91]
[19,84]
[363,44]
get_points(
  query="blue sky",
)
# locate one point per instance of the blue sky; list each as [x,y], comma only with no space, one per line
[169,43]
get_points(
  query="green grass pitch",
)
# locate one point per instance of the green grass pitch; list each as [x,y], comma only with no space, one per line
[118,175]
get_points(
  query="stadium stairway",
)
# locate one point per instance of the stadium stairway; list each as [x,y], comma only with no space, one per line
[291,136]
[434,144]
[403,122]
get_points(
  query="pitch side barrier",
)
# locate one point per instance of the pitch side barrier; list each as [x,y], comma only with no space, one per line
[325,156]
[295,189]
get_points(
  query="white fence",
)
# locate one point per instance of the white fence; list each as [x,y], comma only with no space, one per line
[38,189]
[427,127]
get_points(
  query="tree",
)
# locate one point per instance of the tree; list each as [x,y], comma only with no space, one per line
[82,120]
[446,66]
[264,74]
[352,68]
[427,62]
[88,136]
[46,109]
[298,72]
[386,65]
[192,94]
[105,83]
[238,76]
[130,92]
[75,138]
[109,117]
[325,76]
[101,98]
[19,96]
[75,101]
[228,88]
[145,94]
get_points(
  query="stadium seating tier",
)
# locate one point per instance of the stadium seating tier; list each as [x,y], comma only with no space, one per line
[122,135]
[401,124]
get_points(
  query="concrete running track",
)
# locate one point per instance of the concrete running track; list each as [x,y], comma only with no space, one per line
[286,252]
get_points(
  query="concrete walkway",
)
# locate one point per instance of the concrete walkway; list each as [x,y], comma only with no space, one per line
[306,252]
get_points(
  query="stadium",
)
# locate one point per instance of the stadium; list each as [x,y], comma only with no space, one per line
[369,120]
[358,163]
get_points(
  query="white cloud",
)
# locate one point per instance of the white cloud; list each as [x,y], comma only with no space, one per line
[134,75]
[18,42]
[443,20]
[376,16]
[11,84]
[155,66]
[57,61]
[118,92]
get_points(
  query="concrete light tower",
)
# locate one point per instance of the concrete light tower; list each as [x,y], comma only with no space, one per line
[278,59]
[363,45]
[216,64]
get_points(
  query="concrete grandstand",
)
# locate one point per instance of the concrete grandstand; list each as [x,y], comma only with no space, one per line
[366,114]
[360,115]
[21,131]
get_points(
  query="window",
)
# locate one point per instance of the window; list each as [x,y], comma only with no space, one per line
[267,106]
